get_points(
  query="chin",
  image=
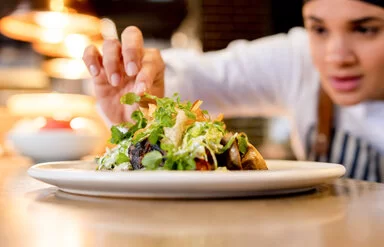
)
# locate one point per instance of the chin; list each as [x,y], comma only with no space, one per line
[345,99]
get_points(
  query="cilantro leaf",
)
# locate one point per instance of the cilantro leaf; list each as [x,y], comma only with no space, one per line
[117,135]
[169,163]
[190,164]
[152,160]
[141,122]
[121,158]
[228,145]
[137,116]
[243,143]
[155,135]
[130,99]
[139,137]
[189,114]
[167,147]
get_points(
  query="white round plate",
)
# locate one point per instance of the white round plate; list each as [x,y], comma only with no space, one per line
[80,177]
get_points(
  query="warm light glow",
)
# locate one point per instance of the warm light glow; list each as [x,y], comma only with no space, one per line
[85,125]
[52,19]
[23,77]
[57,5]
[49,27]
[49,104]
[75,44]
[52,36]
[66,49]
[71,69]
[64,68]
[29,125]
[79,123]
[62,116]
[39,122]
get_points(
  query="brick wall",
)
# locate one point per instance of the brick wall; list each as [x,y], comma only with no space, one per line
[227,20]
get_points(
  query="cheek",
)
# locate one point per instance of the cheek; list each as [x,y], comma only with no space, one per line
[317,52]
[371,59]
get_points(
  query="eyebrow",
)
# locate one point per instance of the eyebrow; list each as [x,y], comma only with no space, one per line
[355,21]
[366,19]
[313,18]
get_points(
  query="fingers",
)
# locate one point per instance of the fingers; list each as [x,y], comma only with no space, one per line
[152,66]
[112,61]
[141,65]
[92,60]
[132,50]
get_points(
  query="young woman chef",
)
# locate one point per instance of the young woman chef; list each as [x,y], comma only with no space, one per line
[329,77]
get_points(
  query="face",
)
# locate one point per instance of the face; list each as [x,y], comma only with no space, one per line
[347,46]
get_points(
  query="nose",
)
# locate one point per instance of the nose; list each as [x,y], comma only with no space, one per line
[339,52]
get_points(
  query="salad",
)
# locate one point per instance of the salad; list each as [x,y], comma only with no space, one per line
[175,135]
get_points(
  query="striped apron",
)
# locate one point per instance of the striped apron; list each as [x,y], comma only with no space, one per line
[360,159]
[325,143]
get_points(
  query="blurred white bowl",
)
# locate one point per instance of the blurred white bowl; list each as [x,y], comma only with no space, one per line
[54,145]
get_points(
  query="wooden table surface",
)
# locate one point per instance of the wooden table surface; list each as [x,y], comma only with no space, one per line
[342,213]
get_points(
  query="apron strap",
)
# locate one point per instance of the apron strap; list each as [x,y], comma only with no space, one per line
[325,111]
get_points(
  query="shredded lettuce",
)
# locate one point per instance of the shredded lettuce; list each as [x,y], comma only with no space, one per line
[116,158]
[181,129]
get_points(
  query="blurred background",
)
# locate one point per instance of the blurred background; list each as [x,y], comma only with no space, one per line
[46,98]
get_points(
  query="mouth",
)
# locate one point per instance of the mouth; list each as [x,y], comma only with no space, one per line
[346,83]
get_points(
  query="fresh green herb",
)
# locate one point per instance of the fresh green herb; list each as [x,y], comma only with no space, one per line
[156,134]
[141,122]
[168,164]
[140,137]
[119,133]
[179,162]
[190,164]
[121,158]
[130,99]
[206,114]
[139,118]
[167,147]
[199,140]
[186,107]
[228,145]
[152,160]
[242,140]
[189,114]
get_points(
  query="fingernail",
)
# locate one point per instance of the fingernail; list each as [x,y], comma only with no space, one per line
[140,88]
[131,69]
[94,71]
[115,79]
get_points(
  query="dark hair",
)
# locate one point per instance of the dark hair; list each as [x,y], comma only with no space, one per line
[379,3]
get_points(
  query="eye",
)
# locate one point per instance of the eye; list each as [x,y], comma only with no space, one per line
[318,30]
[366,30]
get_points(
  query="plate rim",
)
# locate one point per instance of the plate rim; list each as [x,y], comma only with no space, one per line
[191,184]
[321,167]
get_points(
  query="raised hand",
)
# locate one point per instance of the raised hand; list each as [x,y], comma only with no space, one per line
[124,67]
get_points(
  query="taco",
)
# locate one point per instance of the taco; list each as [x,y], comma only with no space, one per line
[174,135]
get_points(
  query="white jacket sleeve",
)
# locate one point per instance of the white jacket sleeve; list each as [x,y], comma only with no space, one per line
[260,77]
